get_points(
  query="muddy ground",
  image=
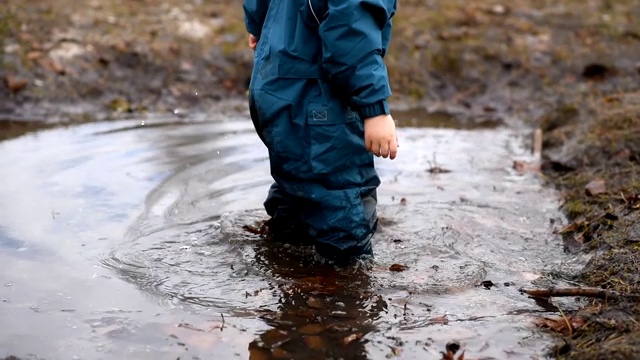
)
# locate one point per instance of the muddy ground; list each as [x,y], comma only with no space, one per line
[570,67]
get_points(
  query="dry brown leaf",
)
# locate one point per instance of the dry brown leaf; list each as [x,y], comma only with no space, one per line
[395,351]
[34,55]
[314,303]
[443,320]
[561,324]
[524,167]
[16,84]
[622,155]
[596,187]
[351,338]
[398,267]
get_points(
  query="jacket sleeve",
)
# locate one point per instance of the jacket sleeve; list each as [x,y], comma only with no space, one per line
[354,35]
[254,13]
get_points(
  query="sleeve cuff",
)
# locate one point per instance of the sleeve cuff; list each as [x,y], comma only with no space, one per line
[372,110]
[253,29]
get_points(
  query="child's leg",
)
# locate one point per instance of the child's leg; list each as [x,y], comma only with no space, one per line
[340,200]
[320,163]
[285,225]
[342,222]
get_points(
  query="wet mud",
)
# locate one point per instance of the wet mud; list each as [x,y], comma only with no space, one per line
[136,247]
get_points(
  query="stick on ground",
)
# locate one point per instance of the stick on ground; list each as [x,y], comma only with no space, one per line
[564,292]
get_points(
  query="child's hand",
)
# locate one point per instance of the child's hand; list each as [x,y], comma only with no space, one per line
[380,136]
[253,42]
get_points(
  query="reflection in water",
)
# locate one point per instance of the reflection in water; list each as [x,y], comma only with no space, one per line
[323,312]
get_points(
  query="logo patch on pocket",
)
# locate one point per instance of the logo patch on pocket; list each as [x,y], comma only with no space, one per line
[319,115]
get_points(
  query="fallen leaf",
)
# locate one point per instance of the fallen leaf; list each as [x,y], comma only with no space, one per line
[16,84]
[351,338]
[398,267]
[573,227]
[228,84]
[524,167]
[314,303]
[34,55]
[52,65]
[395,351]
[442,320]
[622,155]
[595,187]
[561,325]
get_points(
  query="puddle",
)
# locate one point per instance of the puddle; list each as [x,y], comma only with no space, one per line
[125,240]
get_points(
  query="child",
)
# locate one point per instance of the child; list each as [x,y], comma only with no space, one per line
[318,101]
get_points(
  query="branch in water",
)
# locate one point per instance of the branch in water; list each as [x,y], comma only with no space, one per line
[586,292]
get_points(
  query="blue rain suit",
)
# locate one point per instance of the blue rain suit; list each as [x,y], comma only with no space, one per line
[318,73]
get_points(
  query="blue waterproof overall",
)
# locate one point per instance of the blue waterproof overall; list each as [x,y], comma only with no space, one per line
[318,73]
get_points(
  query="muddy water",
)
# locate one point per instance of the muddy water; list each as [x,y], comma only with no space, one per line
[125,240]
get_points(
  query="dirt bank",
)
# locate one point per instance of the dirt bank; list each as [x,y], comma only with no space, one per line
[571,67]
[594,160]
[479,62]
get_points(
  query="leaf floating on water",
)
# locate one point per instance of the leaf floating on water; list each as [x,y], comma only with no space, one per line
[314,303]
[524,167]
[443,320]
[398,267]
[395,352]
[16,84]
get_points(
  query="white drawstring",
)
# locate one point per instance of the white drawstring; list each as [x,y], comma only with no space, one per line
[314,13]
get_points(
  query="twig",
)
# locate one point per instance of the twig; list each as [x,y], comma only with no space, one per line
[566,320]
[537,144]
[586,292]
